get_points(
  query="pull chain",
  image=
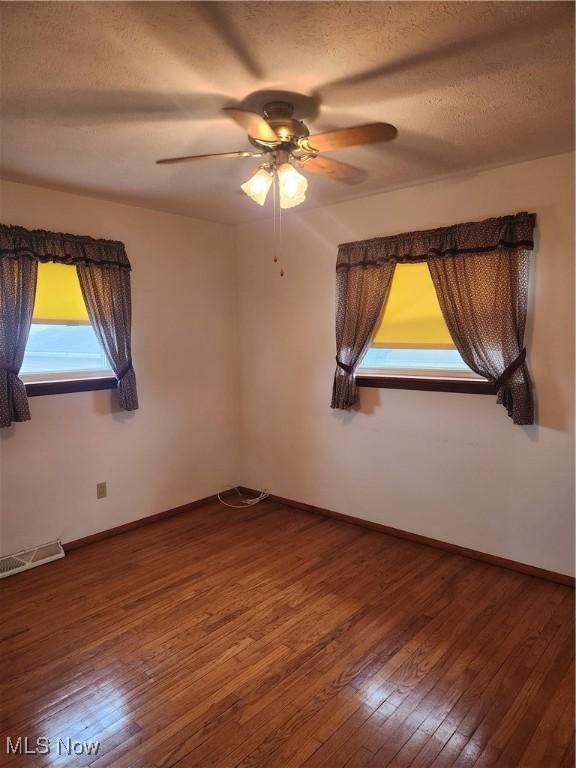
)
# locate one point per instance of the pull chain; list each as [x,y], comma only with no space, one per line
[274,182]
[277,224]
[280,243]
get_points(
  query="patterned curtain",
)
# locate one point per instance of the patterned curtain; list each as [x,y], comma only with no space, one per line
[60,247]
[484,302]
[17,293]
[480,272]
[106,292]
[104,272]
[361,295]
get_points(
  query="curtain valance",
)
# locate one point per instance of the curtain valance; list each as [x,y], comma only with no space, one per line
[505,232]
[79,250]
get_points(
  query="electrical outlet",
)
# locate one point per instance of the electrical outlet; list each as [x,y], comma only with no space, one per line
[101,491]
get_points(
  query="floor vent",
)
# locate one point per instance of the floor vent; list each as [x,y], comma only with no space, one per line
[30,558]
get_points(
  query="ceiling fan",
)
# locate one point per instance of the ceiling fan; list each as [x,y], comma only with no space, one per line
[284,143]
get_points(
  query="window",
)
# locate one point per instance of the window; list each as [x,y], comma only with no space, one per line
[62,344]
[412,339]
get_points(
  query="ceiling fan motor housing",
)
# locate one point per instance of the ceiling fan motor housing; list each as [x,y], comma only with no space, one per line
[278,115]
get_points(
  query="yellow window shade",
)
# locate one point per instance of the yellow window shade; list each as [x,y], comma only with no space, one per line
[412,316]
[58,295]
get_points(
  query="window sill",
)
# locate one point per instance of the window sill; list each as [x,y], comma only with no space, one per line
[467,386]
[66,386]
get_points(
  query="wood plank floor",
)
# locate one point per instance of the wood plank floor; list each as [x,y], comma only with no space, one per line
[277,638]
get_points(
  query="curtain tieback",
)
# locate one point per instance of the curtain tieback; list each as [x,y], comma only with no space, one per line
[348,368]
[9,368]
[124,370]
[507,373]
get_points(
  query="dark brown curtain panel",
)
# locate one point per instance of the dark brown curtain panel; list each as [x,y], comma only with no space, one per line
[17,293]
[484,301]
[106,292]
[361,295]
[480,272]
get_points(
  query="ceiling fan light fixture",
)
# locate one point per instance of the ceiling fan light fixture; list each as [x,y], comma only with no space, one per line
[258,185]
[292,186]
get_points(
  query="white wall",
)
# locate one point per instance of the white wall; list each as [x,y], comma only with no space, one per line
[448,466]
[181,445]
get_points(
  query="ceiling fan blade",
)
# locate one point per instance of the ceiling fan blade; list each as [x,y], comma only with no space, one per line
[187,158]
[371,133]
[253,123]
[338,171]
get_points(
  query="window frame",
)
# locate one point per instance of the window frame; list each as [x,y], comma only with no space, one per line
[63,382]
[425,383]
[67,382]
[424,379]
[462,380]
[67,386]
[45,377]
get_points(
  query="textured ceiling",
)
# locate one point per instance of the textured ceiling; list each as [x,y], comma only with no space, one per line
[93,93]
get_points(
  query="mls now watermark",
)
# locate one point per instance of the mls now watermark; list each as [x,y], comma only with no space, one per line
[45,746]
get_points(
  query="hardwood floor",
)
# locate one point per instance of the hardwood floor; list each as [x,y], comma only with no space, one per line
[274,637]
